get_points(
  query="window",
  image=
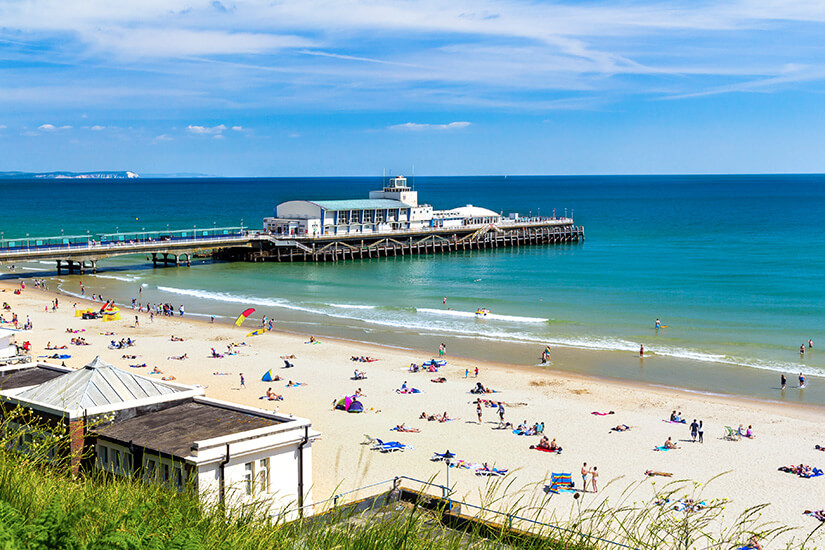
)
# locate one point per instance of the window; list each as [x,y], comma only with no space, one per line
[116,457]
[248,476]
[263,475]
[127,460]
[102,455]
[178,479]
[150,469]
[166,473]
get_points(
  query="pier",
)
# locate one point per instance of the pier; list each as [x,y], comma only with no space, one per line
[80,254]
[405,243]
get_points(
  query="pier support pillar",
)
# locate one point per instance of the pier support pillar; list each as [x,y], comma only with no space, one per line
[59,266]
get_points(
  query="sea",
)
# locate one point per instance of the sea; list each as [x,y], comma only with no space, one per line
[732,265]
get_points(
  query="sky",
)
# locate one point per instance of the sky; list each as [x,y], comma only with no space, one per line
[439,87]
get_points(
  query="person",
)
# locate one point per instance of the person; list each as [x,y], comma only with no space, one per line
[673,416]
[478,412]
[783,380]
[501,411]
[594,475]
[701,432]
[740,430]
[658,323]
[802,350]
[466,373]
[669,444]
[642,350]
[476,372]
[444,301]
[137,321]
[585,472]
[243,382]
[212,320]
[749,432]
[753,544]
[801,380]
[694,430]
[312,339]
[810,343]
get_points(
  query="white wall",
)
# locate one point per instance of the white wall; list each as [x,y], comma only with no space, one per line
[298,209]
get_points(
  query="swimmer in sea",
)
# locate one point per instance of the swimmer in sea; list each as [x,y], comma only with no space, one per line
[642,350]
[658,324]
[801,380]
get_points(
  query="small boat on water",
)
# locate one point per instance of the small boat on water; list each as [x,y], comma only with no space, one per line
[482,312]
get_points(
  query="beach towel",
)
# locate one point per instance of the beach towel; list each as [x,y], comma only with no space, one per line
[405,430]
[661,448]
[273,399]
[296,384]
[491,472]
[597,413]
[56,356]
[675,421]
[546,450]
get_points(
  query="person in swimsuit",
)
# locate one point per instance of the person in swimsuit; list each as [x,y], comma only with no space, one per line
[783,380]
[585,471]
[642,350]
[801,380]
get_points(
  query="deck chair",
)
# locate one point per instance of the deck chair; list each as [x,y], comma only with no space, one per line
[369,440]
[491,472]
[559,483]
[731,434]
[390,446]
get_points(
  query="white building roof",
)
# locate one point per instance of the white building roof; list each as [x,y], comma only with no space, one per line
[468,211]
[6,332]
[97,384]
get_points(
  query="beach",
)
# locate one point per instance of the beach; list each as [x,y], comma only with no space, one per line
[743,472]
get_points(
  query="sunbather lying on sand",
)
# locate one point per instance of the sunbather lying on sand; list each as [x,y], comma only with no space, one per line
[403,428]
[168,378]
[438,380]
[651,473]
[130,357]
[597,413]
[176,338]
[156,370]
[179,357]
[221,373]
[620,428]
[290,356]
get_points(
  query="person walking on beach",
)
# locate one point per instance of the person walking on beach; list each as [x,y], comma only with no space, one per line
[694,430]
[466,373]
[501,411]
[701,432]
[243,382]
[137,321]
[585,471]
[478,411]
[594,475]
[476,372]
[783,381]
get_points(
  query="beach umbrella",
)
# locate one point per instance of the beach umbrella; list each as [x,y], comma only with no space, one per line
[242,317]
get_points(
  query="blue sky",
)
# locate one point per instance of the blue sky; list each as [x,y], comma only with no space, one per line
[353,87]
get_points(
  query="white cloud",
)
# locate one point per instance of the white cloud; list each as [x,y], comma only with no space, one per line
[3,126]
[417,127]
[179,42]
[237,128]
[205,130]
[97,128]
[218,136]
[52,128]
[163,137]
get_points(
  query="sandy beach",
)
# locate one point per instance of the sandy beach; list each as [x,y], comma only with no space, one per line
[743,472]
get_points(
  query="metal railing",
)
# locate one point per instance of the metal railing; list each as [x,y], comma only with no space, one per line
[446,493]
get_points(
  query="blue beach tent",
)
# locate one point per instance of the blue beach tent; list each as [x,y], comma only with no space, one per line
[268,376]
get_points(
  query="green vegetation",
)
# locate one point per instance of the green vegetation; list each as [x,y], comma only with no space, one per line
[43,507]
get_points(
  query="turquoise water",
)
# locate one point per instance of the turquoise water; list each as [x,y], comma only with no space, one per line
[733,265]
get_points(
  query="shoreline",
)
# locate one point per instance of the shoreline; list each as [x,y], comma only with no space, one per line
[570,354]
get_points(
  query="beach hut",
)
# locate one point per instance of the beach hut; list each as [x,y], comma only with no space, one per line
[7,348]
[269,376]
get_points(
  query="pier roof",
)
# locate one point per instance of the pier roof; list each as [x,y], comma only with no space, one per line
[360,204]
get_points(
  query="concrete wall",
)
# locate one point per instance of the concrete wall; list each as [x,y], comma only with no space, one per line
[298,209]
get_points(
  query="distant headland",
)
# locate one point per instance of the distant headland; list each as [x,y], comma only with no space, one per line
[69,175]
